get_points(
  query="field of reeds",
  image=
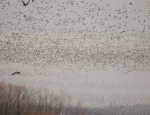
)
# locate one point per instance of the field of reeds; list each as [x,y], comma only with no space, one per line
[18,100]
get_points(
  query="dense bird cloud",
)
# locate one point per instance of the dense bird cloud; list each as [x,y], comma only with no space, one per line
[98,31]
[100,19]
[77,46]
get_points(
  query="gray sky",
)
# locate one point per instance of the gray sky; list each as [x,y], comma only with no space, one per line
[118,21]
[75,31]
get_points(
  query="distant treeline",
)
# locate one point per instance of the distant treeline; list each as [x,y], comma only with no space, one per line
[18,100]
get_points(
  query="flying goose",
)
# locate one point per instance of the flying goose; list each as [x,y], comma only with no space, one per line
[25,4]
[15,73]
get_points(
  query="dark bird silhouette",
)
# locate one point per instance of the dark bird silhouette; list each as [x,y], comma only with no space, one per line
[25,4]
[131,3]
[16,73]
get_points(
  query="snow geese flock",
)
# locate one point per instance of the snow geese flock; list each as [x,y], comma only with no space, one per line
[96,32]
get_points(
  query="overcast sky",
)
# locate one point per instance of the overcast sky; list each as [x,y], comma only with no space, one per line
[97,22]
[118,21]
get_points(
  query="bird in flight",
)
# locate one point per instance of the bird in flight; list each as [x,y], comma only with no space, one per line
[25,4]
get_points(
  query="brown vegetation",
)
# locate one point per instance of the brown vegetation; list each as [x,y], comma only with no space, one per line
[18,100]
